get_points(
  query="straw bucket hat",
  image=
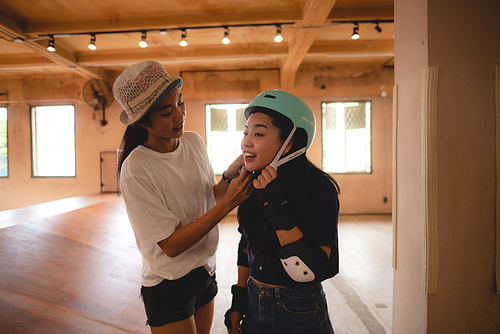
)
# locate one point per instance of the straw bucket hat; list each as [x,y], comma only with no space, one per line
[142,87]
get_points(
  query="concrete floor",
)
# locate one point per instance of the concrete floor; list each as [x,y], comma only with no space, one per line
[71,266]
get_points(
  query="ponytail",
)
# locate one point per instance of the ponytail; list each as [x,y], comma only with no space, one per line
[134,136]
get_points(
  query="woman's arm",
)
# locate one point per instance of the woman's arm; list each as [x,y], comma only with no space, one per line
[220,189]
[303,261]
[232,172]
[243,275]
[185,237]
[233,316]
[285,237]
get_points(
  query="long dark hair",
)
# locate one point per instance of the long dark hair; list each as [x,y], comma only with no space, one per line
[297,177]
[134,135]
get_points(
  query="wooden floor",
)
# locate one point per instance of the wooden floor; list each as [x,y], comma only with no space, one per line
[72,266]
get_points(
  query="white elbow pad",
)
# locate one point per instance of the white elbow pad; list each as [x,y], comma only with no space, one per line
[297,269]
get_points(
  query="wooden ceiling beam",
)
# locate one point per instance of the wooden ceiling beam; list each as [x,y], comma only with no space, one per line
[354,13]
[162,22]
[61,57]
[177,54]
[10,25]
[64,58]
[259,52]
[340,47]
[314,15]
[89,60]
[14,62]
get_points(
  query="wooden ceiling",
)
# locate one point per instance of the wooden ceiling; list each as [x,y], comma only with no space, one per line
[315,33]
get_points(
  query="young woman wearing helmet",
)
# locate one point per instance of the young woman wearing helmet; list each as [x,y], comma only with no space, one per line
[173,201]
[288,224]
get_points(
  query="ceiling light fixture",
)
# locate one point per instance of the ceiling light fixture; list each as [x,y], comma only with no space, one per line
[51,46]
[143,44]
[183,42]
[278,38]
[92,45]
[355,34]
[225,39]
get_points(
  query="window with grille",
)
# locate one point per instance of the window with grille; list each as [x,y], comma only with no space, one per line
[225,126]
[4,158]
[346,137]
[53,141]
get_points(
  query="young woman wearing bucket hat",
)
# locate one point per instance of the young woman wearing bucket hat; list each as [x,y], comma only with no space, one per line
[172,199]
[288,224]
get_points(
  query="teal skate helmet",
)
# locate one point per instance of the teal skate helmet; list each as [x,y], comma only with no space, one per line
[293,108]
[288,105]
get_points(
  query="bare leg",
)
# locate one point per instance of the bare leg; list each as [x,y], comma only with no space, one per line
[204,317]
[187,326]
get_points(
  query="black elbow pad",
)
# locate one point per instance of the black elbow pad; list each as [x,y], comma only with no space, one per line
[300,263]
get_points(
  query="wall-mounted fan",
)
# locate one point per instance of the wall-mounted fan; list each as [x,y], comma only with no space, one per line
[98,94]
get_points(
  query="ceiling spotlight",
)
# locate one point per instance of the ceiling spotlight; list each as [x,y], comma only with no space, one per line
[226,39]
[51,46]
[143,42]
[278,38]
[163,32]
[183,42]
[355,34]
[92,45]
[378,28]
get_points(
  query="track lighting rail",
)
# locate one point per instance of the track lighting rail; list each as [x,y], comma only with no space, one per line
[183,42]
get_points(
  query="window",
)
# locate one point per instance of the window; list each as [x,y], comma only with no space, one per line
[53,141]
[4,161]
[225,126]
[347,137]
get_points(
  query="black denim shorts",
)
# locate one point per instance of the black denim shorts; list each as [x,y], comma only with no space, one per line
[177,300]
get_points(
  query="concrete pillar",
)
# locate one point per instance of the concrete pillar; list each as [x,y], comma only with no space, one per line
[444,281]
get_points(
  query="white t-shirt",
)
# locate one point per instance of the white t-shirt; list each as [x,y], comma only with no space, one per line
[166,191]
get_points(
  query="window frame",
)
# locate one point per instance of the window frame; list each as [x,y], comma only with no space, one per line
[241,105]
[6,142]
[32,141]
[371,138]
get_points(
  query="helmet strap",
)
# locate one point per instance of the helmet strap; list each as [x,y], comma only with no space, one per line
[277,162]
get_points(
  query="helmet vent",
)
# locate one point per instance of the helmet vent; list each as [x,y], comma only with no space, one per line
[270,96]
